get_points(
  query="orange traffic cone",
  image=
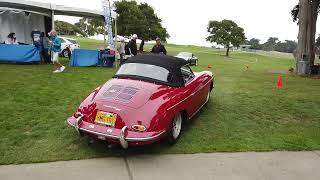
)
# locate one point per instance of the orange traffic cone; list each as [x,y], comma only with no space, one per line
[279,83]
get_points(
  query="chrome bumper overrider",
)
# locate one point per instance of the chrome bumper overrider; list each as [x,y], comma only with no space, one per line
[77,123]
[122,136]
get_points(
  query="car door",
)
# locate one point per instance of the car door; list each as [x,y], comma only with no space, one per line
[191,89]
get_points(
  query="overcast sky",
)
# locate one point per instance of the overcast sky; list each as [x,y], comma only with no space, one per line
[186,20]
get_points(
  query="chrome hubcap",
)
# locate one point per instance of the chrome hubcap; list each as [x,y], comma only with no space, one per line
[66,54]
[176,128]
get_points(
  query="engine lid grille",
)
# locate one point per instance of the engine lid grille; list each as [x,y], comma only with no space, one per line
[120,93]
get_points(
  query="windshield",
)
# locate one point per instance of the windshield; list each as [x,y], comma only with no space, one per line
[72,41]
[185,54]
[144,70]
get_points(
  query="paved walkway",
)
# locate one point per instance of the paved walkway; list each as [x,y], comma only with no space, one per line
[220,166]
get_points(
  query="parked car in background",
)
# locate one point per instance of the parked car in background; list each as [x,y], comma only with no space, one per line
[67,46]
[151,97]
[192,60]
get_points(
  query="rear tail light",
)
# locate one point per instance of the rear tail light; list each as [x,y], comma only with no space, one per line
[139,128]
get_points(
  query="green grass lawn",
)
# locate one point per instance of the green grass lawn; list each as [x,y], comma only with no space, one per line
[245,112]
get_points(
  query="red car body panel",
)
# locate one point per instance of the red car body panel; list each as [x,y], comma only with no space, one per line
[149,104]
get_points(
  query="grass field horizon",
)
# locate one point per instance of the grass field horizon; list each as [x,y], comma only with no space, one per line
[246,111]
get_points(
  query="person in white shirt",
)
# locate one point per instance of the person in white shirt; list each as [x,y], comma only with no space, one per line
[11,39]
[121,50]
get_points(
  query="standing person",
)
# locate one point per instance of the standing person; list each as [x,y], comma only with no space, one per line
[45,43]
[141,46]
[158,48]
[55,50]
[132,46]
[121,50]
[11,39]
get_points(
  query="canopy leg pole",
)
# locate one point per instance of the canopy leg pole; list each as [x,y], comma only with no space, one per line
[104,35]
[52,18]
[116,41]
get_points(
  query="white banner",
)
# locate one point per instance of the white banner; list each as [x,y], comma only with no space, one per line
[108,21]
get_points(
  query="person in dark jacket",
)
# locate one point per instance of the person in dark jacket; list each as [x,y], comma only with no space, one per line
[45,43]
[132,46]
[36,39]
[158,48]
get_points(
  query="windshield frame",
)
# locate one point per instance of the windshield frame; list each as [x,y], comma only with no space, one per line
[73,41]
[185,54]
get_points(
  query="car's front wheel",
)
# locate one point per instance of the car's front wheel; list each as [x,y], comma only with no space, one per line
[176,129]
[208,96]
[66,53]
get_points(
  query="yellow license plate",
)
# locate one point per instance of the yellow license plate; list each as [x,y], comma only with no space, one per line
[106,118]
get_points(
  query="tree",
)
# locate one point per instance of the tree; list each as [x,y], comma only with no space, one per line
[225,32]
[291,46]
[306,13]
[288,46]
[91,26]
[139,19]
[318,45]
[270,44]
[154,28]
[255,44]
[65,28]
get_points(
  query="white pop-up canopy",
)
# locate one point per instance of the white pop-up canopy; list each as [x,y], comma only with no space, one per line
[47,8]
[22,17]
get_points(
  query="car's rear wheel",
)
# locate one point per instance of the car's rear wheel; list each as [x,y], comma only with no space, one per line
[176,129]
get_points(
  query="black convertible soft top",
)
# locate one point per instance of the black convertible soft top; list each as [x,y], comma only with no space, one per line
[172,64]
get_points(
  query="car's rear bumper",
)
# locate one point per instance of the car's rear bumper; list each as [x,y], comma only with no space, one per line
[111,134]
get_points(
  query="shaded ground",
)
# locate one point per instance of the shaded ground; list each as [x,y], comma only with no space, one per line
[279,72]
[222,166]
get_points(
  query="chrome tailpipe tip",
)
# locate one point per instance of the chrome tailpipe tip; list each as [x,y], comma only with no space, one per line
[122,139]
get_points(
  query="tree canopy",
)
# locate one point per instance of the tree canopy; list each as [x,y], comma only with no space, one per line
[139,19]
[273,44]
[295,10]
[65,28]
[225,32]
[255,43]
[287,46]
[91,26]
[270,44]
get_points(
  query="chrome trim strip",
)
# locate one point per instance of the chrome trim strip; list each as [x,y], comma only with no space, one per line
[180,102]
[198,109]
[146,138]
[188,96]
[117,137]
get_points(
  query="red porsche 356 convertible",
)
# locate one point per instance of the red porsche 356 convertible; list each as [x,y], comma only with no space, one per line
[150,98]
